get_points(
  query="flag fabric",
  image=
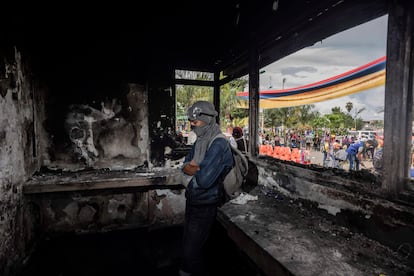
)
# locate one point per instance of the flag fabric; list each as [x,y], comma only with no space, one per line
[362,78]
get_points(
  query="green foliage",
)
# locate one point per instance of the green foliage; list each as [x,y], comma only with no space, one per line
[320,122]
[229,102]
[299,117]
[336,110]
[186,95]
[349,106]
[275,117]
[290,117]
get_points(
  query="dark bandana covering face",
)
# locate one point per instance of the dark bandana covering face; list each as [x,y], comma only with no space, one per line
[203,111]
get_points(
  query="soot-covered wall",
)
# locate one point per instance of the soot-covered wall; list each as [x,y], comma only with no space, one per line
[111,123]
[105,128]
[21,153]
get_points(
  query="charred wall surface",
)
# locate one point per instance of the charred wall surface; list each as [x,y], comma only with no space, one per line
[98,131]
[85,125]
[21,153]
[110,123]
[77,212]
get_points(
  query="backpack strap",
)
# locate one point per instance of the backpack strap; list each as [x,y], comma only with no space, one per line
[220,135]
[235,152]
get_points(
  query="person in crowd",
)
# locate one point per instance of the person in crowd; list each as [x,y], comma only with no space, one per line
[309,142]
[206,165]
[325,150]
[316,142]
[377,159]
[237,139]
[293,144]
[339,154]
[345,142]
[370,148]
[277,141]
[355,151]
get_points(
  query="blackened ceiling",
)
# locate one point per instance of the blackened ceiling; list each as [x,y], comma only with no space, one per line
[128,42]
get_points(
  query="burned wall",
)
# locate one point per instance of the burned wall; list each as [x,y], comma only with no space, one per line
[351,199]
[111,121]
[105,211]
[162,113]
[108,130]
[21,153]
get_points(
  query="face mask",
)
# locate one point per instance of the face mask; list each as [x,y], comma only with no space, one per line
[199,130]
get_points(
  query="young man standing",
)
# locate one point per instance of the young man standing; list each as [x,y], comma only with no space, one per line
[206,165]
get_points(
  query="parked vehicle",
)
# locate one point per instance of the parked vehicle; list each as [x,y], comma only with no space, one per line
[359,134]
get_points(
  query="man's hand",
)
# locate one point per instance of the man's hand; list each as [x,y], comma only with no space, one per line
[190,169]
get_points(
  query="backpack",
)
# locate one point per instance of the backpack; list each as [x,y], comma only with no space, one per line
[235,178]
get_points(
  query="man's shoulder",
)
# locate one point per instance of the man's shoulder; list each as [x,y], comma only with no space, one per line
[219,140]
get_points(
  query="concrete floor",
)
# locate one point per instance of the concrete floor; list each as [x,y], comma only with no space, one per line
[133,252]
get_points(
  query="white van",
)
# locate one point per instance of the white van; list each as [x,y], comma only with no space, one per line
[367,134]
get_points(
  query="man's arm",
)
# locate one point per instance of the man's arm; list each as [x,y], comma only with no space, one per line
[189,167]
[214,163]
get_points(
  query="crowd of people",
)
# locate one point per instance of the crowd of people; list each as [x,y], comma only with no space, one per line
[353,151]
[344,152]
[337,151]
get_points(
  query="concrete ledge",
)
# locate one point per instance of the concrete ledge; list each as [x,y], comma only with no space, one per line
[100,179]
[283,236]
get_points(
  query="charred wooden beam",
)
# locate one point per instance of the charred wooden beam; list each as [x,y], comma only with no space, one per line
[216,95]
[254,84]
[195,82]
[398,114]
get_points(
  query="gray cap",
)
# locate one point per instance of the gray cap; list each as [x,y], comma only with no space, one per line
[202,111]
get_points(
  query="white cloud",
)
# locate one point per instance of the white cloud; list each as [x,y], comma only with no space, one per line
[335,55]
[372,100]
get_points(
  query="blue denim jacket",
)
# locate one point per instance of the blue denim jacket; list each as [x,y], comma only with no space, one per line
[205,186]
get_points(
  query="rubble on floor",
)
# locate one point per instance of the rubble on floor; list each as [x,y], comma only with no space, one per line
[284,234]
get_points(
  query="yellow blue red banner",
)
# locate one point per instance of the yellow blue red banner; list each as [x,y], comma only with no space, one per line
[362,78]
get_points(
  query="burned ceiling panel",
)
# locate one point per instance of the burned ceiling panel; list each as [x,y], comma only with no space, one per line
[122,41]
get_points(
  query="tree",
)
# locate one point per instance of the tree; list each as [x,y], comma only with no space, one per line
[357,112]
[336,110]
[303,115]
[229,102]
[336,122]
[349,106]
[230,110]
[275,117]
[320,122]
[186,95]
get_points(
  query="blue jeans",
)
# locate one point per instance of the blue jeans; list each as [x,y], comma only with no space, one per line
[353,158]
[198,222]
[325,156]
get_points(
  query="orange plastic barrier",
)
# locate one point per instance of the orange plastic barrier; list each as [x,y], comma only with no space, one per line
[276,152]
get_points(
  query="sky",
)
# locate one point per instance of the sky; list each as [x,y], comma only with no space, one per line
[332,56]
